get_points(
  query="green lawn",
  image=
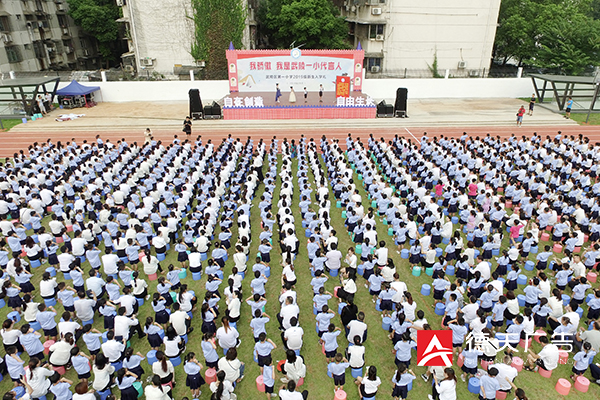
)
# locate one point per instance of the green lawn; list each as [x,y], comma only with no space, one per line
[10,123]
[581,117]
[378,346]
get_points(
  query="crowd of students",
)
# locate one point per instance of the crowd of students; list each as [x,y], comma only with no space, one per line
[121,208]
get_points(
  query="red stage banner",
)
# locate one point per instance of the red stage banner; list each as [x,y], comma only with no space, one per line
[342,86]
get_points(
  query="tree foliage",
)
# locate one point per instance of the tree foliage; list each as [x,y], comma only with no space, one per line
[99,19]
[315,24]
[217,23]
[562,35]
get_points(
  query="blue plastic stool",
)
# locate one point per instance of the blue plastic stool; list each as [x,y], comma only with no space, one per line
[489,322]
[474,385]
[2,303]
[35,325]
[175,361]
[450,270]
[151,357]
[580,312]
[333,272]
[35,263]
[566,299]
[185,338]
[90,322]
[67,276]
[340,307]
[140,301]
[521,300]
[534,250]
[356,372]
[183,274]
[105,394]
[51,271]
[117,365]
[529,265]
[160,256]
[203,256]
[404,253]
[440,308]
[104,337]
[196,276]
[425,289]
[377,305]
[50,302]
[522,279]
[14,315]
[446,240]
[495,252]
[161,333]
[386,322]
[439,252]
[315,312]
[233,324]
[455,220]
[360,270]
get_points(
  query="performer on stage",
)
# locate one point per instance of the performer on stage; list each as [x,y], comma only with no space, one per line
[292,95]
[277,92]
[321,93]
[305,95]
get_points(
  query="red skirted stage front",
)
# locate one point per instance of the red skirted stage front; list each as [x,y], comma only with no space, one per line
[262,105]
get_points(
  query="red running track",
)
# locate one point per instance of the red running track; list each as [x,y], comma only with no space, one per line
[13,142]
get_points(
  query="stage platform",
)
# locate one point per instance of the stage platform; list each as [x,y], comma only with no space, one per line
[262,106]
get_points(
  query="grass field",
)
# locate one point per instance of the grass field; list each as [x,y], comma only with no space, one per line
[581,117]
[378,346]
[10,123]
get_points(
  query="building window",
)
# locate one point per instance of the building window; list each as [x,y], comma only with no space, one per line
[13,54]
[376,31]
[373,62]
[4,24]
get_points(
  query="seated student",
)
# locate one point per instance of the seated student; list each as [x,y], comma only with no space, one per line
[547,358]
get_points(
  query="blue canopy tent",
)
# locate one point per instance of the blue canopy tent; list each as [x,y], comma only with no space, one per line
[74,89]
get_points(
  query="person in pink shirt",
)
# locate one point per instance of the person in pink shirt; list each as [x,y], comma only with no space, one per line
[473,188]
[439,190]
[514,231]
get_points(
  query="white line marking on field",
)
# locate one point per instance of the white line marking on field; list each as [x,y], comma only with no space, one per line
[411,134]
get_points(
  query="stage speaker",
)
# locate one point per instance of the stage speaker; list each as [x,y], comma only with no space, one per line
[195,104]
[401,99]
[208,110]
[216,110]
[385,110]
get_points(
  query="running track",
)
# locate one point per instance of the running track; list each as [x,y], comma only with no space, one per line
[11,142]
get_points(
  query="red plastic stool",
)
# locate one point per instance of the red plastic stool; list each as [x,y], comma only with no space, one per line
[60,370]
[47,345]
[508,204]
[260,386]
[563,357]
[582,384]
[335,290]
[300,382]
[340,395]
[500,395]
[539,333]
[563,387]
[522,343]
[544,372]
[280,364]
[517,363]
[549,228]
[152,277]
[460,361]
[557,248]
[592,277]
[323,349]
[485,364]
[545,237]
[210,375]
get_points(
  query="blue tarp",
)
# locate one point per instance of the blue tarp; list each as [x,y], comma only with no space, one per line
[76,89]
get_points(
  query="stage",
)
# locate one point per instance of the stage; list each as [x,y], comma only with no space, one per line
[262,105]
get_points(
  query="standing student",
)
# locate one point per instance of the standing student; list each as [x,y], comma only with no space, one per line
[187,126]
[337,369]
[401,379]
[305,95]
[268,374]
[321,93]
[194,379]
[277,93]
[531,105]
[568,109]
[520,114]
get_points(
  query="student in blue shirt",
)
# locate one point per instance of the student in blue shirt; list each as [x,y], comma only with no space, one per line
[401,379]
[81,363]
[440,285]
[459,331]
[489,385]
[532,293]
[594,306]
[541,312]
[498,313]
[323,319]
[582,360]
[580,289]
[181,249]
[329,342]
[402,349]
[487,298]
[30,340]
[470,360]
[60,387]
[194,379]
[263,349]
[542,258]
[45,317]
[92,338]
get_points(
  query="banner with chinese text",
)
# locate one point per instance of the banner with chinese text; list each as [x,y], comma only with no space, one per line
[342,86]
[261,70]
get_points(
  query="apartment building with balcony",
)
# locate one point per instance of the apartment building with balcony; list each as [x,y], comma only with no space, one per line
[38,35]
[401,38]
[159,35]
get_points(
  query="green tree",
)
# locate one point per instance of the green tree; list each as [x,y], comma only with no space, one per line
[556,34]
[315,24]
[217,23]
[99,19]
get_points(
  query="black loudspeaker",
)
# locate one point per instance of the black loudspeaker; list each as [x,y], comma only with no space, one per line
[384,110]
[207,111]
[216,110]
[195,104]
[401,99]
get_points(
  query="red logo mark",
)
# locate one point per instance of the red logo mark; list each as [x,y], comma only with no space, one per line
[434,348]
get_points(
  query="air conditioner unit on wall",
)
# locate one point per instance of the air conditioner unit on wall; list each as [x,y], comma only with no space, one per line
[147,62]
[376,11]
[7,38]
[474,72]
[379,37]
[462,64]
[375,68]
[119,3]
